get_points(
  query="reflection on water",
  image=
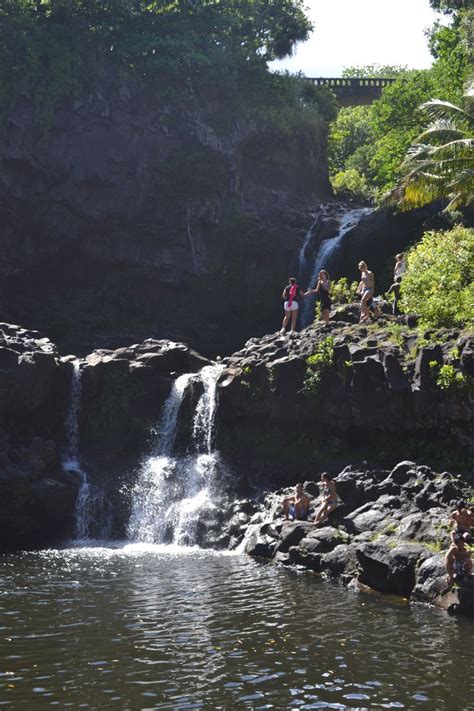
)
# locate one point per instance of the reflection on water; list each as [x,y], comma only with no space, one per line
[150,627]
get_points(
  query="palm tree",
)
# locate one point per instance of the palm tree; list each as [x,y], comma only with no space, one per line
[440,162]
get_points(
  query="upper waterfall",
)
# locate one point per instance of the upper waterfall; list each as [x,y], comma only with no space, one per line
[347,220]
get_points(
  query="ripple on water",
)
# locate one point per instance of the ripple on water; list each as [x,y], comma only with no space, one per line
[143,626]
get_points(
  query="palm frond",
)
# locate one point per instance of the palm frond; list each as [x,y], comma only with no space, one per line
[438,110]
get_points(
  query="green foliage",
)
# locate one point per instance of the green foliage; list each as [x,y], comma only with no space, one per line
[317,365]
[351,182]
[439,282]
[395,332]
[439,162]
[373,140]
[343,292]
[452,382]
[53,49]
[374,70]
[351,130]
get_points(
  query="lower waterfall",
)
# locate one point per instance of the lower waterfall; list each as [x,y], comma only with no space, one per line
[174,494]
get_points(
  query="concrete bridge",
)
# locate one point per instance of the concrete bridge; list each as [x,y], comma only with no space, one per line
[353,91]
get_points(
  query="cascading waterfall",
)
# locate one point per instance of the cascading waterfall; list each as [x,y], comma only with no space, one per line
[71,461]
[302,261]
[326,253]
[93,510]
[172,494]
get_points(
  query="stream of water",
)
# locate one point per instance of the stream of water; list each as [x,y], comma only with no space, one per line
[327,253]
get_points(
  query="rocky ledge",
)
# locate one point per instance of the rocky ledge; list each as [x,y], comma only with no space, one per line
[379,391]
[389,532]
[120,398]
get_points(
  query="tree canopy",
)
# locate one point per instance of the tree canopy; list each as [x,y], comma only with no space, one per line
[373,140]
[51,48]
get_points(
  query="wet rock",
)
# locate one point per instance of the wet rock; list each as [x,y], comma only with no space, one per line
[292,533]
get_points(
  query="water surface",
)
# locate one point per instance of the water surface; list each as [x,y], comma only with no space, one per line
[149,627]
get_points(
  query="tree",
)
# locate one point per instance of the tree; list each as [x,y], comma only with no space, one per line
[439,281]
[374,70]
[440,162]
[351,130]
[54,48]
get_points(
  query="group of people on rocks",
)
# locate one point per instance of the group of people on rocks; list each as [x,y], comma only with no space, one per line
[458,558]
[293,292]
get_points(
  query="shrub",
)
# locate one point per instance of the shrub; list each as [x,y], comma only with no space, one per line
[342,292]
[317,366]
[439,282]
[450,381]
[352,182]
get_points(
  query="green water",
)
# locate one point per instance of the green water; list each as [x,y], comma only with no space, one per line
[155,628]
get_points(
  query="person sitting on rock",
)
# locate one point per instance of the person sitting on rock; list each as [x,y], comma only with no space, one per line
[395,290]
[296,507]
[329,500]
[322,289]
[291,293]
[365,289]
[462,519]
[458,561]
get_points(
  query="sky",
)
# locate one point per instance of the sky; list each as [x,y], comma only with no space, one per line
[359,32]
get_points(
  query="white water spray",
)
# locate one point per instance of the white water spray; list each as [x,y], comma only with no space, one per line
[71,461]
[172,494]
[92,510]
[326,252]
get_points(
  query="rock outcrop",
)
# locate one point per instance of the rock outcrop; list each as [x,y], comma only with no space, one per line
[120,399]
[130,208]
[370,391]
[381,535]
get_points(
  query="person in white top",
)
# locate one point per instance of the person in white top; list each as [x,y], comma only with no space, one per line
[400,266]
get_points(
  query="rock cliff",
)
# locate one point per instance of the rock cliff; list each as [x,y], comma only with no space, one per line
[130,216]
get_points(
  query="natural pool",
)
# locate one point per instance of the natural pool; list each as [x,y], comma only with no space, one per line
[150,627]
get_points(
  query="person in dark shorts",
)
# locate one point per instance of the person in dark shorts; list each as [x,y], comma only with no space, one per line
[462,520]
[323,290]
[395,290]
[291,293]
[458,561]
[296,507]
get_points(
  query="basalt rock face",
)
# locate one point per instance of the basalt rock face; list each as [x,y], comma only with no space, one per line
[36,495]
[121,396]
[381,535]
[378,394]
[116,210]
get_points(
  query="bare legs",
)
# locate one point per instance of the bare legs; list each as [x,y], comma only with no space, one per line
[294,315]
[364,309]
[325,316]
[324,511]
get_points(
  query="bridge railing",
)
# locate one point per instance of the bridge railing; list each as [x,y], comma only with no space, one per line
[352,82]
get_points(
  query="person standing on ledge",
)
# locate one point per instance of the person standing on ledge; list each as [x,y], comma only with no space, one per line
[395,290]
[366,290]
[400,266]
[323,289]
[329,501]
[291,293]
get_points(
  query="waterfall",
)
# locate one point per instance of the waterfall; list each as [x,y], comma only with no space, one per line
[71,461]
[93,512]
[326,253]
[173,494]
[302,261]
